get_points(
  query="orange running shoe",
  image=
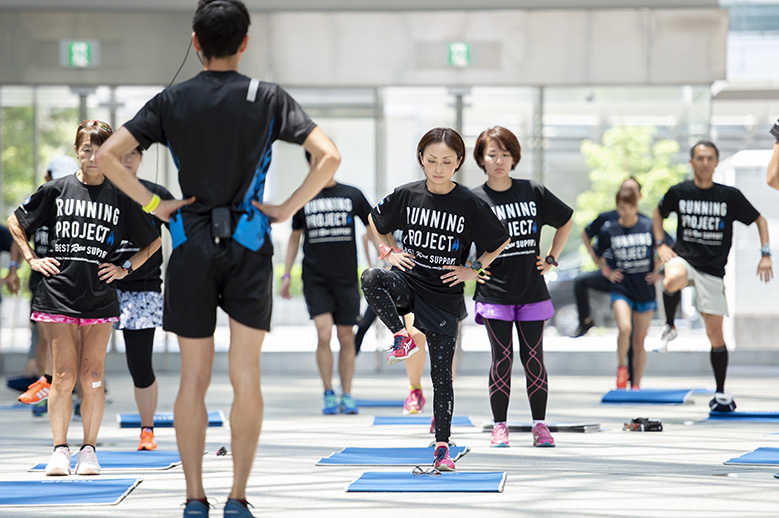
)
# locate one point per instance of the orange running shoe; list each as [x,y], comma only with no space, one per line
[622,378]
[147,440]
[36,392]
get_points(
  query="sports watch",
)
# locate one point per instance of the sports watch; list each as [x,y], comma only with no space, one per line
[551,260]
[127,266]
[765,250]
[477,267]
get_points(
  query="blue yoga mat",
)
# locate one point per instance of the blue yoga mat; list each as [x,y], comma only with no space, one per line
[406,482]
[16,406]
[765,417]
[51,492]
[458,420]
[761,456]
[379,403]
[388,456]
[128,460]
[164,420]
[647,396]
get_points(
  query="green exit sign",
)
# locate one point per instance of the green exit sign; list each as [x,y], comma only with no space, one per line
[79,53]
[459,55]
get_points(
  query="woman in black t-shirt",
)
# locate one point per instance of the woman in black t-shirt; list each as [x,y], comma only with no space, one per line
[516,294]
[75,302]
[439,219]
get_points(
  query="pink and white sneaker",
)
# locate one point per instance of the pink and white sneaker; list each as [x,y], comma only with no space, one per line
[415,402]
[442,461]
[403,347]
[500,436]
[541,436]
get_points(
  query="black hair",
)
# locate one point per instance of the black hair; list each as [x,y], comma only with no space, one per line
[446,135]
[705,143]
[220,26]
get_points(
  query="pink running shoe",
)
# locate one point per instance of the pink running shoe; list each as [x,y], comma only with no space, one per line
[414,403]
[541,436]
[500,436]
[403,347]
[442,461]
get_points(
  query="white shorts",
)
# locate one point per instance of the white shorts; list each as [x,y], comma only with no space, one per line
[709,289]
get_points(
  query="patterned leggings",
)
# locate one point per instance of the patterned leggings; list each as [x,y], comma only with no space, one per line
[385,291]
[531,352]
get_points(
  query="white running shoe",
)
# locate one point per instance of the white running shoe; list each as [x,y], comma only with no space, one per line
[669,333]
[86,462]
[59,462]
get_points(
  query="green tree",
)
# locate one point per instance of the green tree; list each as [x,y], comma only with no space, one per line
[56,131]
[626,151]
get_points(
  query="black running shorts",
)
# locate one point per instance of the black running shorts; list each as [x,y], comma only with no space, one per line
[203,274]
[342,299]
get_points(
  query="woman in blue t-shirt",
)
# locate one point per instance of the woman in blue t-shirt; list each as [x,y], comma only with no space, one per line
[626,250]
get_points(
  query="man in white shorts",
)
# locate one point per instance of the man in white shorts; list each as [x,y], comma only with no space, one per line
[706,212]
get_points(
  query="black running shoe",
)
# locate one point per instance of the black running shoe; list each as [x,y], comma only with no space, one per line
[582,329]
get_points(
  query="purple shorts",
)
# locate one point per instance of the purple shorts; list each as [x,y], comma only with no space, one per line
[514,312]
[62,319]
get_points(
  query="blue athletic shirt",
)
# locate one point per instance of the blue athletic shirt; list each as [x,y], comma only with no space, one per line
[631,250]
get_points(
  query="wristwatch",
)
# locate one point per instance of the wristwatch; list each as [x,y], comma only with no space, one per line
[551,260]
[477,267]
[127,266]
[659,242]
[765,250]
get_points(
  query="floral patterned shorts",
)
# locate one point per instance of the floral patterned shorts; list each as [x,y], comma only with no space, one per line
[139,309]
[62,319]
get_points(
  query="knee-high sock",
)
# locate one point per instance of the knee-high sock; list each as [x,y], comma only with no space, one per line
[531,352]
[719,363]
[671,303]
[500,335]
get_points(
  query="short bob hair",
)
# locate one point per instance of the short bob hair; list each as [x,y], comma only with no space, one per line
[504,138]
[446,135]
[627,196]
[220,27]
[95,131]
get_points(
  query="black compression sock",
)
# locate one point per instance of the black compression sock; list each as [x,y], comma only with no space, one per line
[671,303]
[719,363]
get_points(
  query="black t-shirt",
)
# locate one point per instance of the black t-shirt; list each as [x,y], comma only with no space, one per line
[438,229]
[86,224]
[705,229]
[523,209]
[149,276]
[219,127]
[40,244]
[329,249]
[632,250]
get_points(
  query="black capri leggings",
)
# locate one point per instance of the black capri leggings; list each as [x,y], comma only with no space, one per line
[386,293]
[139,344]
